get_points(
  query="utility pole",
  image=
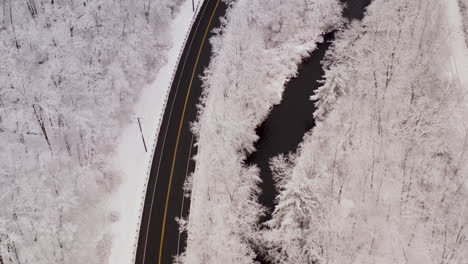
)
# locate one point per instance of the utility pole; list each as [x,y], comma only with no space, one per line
[193,5]
[142,137]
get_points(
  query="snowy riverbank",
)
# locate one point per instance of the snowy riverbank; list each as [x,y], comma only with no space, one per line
[381,179]
[258,50]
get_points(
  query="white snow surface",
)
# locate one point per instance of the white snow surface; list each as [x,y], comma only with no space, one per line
[131,158]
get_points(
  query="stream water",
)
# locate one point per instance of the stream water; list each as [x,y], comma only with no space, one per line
[288,121]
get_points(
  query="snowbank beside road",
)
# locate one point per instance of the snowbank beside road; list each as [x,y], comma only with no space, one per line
[132,160]
[260,44]
[382,178]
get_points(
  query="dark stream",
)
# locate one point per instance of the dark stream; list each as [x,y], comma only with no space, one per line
[288,121]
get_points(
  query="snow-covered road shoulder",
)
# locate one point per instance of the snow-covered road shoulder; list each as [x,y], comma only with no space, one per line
[131,158]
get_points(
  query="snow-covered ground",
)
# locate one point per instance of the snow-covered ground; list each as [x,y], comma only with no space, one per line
[131,159]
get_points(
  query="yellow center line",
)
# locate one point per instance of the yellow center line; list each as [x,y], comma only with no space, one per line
[178,135]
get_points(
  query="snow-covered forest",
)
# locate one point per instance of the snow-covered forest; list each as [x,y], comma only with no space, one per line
[257,51]
[70,72]
[381,178]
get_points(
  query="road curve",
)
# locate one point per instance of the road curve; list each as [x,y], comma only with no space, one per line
[159,239]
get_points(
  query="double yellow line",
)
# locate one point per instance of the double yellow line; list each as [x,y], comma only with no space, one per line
[161,243]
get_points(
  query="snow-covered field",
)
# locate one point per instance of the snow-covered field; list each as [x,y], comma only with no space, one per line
[258,50]
[382,178]
[70,75]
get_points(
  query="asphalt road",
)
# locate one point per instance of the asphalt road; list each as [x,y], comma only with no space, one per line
[159,239]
